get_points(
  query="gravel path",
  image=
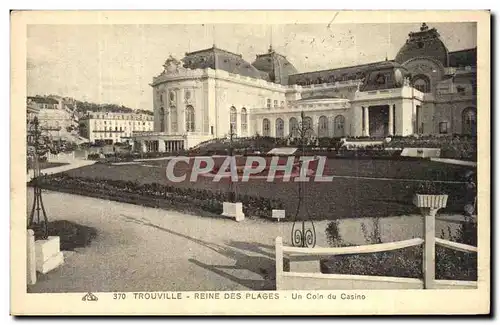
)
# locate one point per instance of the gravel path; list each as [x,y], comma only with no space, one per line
[145,249]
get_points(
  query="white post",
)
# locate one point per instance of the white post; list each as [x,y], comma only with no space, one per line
[366,126]
[31,257]
[279,263]
[391,120]
[429,256]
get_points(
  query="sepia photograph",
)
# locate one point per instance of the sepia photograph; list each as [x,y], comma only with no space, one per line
[271,161]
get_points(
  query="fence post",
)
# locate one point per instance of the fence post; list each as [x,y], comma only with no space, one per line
[429,254]
[31,257]
[279,263]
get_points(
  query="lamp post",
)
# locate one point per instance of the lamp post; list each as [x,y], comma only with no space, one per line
[303,230]
[38,217]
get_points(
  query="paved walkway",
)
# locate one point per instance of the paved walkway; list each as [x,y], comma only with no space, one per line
[71,164]
[143,249]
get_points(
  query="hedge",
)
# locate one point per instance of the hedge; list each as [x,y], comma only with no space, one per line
[156,195]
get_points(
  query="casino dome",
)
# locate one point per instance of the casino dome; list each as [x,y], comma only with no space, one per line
[275,65]
[425,43]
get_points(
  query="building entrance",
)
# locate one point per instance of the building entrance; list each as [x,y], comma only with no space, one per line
[378,120]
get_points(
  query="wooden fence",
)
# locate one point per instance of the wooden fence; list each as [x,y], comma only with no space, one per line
[310,278]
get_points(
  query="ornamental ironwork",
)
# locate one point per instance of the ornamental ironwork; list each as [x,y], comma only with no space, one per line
[303,231]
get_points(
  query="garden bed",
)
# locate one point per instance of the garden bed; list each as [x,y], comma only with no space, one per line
[452,146]
[406,263]
[156,195]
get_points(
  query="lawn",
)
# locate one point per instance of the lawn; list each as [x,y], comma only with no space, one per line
[344,197]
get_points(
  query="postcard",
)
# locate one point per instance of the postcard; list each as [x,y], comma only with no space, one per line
[250,162]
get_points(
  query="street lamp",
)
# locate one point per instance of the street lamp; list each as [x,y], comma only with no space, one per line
[303,230]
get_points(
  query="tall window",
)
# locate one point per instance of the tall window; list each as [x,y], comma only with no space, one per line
[339,123]
[162,119]
[173,117]
[323,127]
[469,121]
[422,83]
[233,119]
[280,128]
[268,103]
[293,127]
[282,104]
[266,128]
[190,118]
[275,104]
[244,120]
[443,127]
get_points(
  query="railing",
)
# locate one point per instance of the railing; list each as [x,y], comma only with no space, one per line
[304,270]
[454,70]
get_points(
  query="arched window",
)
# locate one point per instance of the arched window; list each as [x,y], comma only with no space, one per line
[422,83]
[173,118]
[244,120]
[266,128]
[190,118]
[162,119]
[308,127]
[323,127]
[293,127]
[233,118]
[280,128]
[339,126]
[469,121]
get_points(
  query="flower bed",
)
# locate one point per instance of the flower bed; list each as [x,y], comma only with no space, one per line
[455,147]
[407,262]
[156,195]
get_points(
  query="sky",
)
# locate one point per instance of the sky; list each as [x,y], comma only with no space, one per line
[116,63]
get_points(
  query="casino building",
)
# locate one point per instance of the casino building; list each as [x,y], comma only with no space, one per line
[425,89]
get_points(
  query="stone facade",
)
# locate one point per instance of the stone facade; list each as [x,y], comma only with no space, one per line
[425,90]
[110,128]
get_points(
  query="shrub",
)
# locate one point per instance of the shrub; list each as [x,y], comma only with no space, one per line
[172,197]
[406,262]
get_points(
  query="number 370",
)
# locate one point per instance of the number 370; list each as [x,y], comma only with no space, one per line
[119,296]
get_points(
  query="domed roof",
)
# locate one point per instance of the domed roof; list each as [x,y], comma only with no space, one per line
[218,59]
[425,43]
[275,65]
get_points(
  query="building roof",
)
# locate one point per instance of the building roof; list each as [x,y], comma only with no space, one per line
[218,59]
[43,100]
[355,72]
[275,65]
[463,58]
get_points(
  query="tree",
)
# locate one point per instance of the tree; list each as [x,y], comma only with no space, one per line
[38,146]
